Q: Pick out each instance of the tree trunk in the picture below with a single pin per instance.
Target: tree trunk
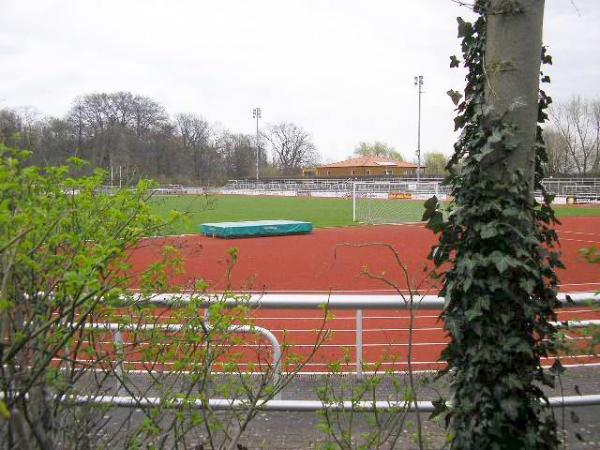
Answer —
(513, 55)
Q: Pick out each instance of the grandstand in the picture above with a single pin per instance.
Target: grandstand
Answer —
(582, 189)
(316, 185)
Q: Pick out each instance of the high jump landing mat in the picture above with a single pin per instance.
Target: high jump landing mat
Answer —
(255, 228)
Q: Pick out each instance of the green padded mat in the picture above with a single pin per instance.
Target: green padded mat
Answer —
(255, 228)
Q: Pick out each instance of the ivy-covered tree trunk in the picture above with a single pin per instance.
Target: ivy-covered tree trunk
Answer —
(497, 241)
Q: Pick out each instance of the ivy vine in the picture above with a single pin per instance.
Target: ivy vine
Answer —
(497, 250)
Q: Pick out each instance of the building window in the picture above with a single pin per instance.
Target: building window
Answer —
(389, 172)
(368, 172)
(353, 172)
(329, 172)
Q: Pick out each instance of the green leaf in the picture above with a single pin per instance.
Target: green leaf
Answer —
(489, 230)
(510, 407)
(4, 412)
(439, 407)
(431, 204)
(501, 261)
(436, 222)
(455, 96)
(464, 28)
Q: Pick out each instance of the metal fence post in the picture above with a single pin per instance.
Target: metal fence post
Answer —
(354, 201)
(120, 367)
(359, 342)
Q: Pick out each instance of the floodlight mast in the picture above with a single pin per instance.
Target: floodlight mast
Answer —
(419, 84)
(256, 114)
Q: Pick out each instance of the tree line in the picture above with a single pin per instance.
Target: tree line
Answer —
(133, 136)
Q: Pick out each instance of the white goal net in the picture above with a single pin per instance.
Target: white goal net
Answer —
(391, 202)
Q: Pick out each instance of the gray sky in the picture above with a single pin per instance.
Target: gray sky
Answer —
(341, 69)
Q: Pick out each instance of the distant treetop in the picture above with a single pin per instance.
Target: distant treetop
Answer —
(378, 149)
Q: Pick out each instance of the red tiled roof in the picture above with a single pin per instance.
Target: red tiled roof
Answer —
(371, 161)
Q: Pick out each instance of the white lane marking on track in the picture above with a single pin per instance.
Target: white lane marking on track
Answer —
(580, 240)
(584, 233)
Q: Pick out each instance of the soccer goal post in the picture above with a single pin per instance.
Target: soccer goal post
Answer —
(391, 202)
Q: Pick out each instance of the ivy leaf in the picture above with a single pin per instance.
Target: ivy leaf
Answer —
(430, 206)
(464, 28)
(501, 261)
(497, 136)
(488, 231)
(455, 96)
(472, 314)
(436, 222)
(439, 407)
(545, 79)
(577, 390)
(527, 285)
(454, 61)
(511, 407)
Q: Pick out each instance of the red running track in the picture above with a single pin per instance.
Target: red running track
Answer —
(334, 260)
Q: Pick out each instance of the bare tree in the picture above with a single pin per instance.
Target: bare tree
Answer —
(291, 146)
(195, 134)
(559, 159)
(238, 153)
(104, 121)
(595, 111)
(11, 125)
(577, 123)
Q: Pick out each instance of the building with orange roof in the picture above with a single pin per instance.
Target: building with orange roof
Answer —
(364, 166)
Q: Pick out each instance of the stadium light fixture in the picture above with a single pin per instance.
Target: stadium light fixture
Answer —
(419, 84)
(257, 114)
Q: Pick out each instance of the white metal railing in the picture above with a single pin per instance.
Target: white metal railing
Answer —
(306, 301)
(221, 404)
(118, 341)
(345, 302)
(332, 301)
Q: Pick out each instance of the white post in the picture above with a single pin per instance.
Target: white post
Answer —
(354, 201)
(120, 363)
(359, 342)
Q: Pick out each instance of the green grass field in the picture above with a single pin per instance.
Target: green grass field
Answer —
(322, 212)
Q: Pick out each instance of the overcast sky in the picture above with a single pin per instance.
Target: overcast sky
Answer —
(341, 69)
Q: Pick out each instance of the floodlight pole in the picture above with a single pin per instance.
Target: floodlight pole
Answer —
(419, 84)
(256, 114)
